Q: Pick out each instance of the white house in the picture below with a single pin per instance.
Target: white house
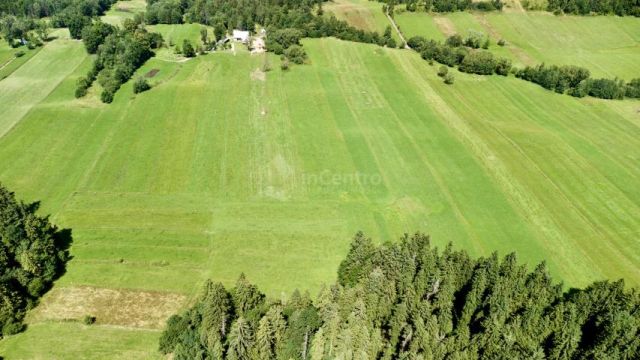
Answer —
(242, 36)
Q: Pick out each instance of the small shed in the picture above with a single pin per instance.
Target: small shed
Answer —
(240, 35)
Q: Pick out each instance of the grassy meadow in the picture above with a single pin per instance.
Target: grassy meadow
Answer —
(362, 14)
(221, 169)
(609, 46)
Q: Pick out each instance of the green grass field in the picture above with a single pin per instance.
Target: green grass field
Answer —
(206, 177)
(124, 10)
(362, 14)
(8, 60)
(608, 46)
(221, 169)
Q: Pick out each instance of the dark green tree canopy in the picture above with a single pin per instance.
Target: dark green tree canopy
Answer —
(408, 300)
(33, 253)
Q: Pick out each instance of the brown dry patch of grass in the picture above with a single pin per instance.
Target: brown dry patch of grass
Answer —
(120, 307)
(259, 75)
(353, 14)
(445, 25)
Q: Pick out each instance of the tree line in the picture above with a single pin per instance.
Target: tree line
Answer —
(19, 17)
(600, 7)
(468, 57)
(33, 253)
(409, 300)
(574, 7)
(443, 5)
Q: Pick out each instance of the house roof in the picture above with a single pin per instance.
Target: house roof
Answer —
(240, 34)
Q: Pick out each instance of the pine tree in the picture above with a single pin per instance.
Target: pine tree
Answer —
(246, 296)
(240, 340)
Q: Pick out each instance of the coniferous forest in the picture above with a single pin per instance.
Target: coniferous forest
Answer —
(408, 300)
(33, 253)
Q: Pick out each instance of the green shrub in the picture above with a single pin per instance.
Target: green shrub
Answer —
(454, 40)
(106, 96)
(296, 54)
(187, 49)
(503, 66)
(442, 71)
(140, 85)
(448, 79)
(479, 62)
(20, 53)
(89, 320)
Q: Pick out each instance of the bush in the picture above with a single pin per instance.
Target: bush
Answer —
(454, 40)
(296, 54)
(140, 85)
(448, 79)
(275, 47)
(88, 320)
(479, 62)
(443, 70)
(391, 43)
(82, 86)
(187, 49)
(474, 40)
(284, 65)
(502, 42)
(106, 96)
(503, 66)
(20, 53)
(417, 43)
(632, 89)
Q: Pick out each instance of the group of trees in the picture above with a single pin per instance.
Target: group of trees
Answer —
(602, 7)
(577, 7)
(294, 19)
(120, 52)
(576, 81)
(408, 300)
(51, 8)
(23, 31)
(444, 5)
(464, 53)
(33, 253)
(22, 21)
(569, 79)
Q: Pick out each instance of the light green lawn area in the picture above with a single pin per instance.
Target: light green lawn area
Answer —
(8, 60)
(36, 78)
(608, 46)
(124, 9)
(362, 14)
(214, 172)
(176, 34)
(69, 340)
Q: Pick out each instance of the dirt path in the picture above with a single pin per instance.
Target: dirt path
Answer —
(393, 23)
